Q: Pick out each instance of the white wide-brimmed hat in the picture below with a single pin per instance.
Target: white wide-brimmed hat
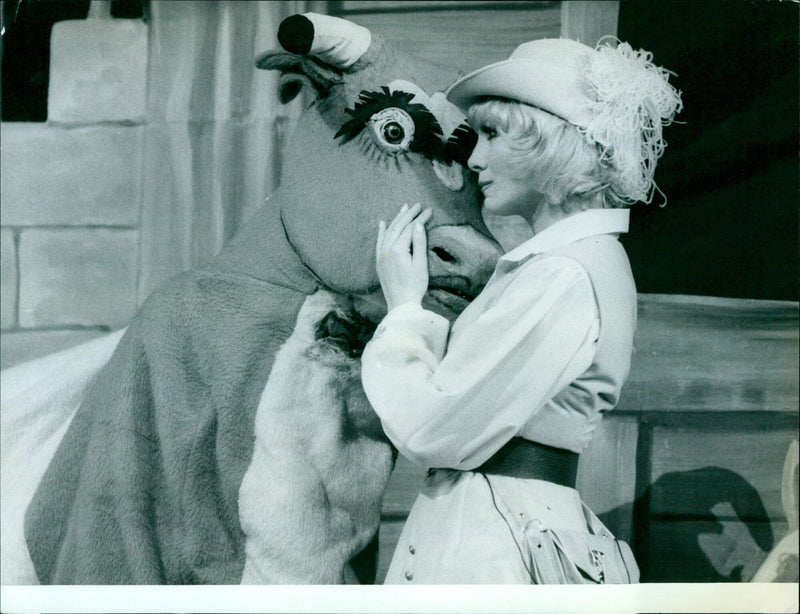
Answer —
(614, 94)
(545, 73)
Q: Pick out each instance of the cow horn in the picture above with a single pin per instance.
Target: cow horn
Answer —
(337, 42)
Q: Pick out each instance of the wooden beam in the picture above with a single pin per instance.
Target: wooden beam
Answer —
(695, 353)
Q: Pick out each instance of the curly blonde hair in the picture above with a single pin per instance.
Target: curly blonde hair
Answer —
(553, 153)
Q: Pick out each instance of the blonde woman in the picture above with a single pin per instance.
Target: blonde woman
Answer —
(500, 405)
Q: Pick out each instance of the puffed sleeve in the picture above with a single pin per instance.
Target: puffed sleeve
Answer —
(457, 409)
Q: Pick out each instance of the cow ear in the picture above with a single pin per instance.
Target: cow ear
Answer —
(334, 41)
(297, 71)
(317, 49)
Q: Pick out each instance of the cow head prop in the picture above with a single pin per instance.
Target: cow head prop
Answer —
(376, 134)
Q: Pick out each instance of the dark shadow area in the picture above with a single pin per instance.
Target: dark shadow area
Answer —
(705, 525)
(27, 25)
(730, 170)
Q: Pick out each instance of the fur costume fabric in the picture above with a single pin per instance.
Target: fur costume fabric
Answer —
(228, 439)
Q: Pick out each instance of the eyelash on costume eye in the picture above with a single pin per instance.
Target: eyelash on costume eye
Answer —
(375, 154)
(427, 138)
(460, 144)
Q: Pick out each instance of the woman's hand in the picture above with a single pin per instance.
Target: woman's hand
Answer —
(401, 256)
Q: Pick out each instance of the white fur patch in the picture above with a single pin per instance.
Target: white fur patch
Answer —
(311, 497)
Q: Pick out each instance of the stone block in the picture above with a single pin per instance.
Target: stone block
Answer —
(61, 176)
(98, 71)
(8, 280)
(83, 277)
(21, 346)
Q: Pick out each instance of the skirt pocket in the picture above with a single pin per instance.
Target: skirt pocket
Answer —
(572, 557)
(569, 556)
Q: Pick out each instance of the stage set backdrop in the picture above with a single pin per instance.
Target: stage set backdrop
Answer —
(110, 186)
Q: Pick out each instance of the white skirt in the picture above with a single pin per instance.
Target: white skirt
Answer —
(469, 528)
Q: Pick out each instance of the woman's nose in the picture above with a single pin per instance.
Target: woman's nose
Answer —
(477, 159)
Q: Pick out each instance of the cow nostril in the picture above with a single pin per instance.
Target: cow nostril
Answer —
(443, 254)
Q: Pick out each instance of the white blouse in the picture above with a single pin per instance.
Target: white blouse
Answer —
(526, 337)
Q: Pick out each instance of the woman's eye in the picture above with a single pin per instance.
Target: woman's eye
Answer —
(392, 129)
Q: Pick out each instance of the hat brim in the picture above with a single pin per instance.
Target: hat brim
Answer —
(541, 84)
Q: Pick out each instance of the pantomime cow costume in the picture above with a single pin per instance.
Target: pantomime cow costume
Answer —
(227, 439)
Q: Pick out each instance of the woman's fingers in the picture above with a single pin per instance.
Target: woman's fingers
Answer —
(407, 213)
(419, 246)
(401, 256)
(424, 216)
(396, 238)
(402, 244)
(418, 237)
(397, 221)
(403, 218)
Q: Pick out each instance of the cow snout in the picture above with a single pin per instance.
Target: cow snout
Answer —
(460, 262)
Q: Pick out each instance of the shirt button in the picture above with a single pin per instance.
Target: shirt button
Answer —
(412, 550)
(409, 576)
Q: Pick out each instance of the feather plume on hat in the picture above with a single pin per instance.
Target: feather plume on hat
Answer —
(632, 101)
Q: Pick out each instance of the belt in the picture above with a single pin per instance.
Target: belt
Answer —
(522, 458)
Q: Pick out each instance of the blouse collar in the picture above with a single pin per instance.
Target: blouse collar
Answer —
(573, 228)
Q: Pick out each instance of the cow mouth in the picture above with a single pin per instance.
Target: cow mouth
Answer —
(449, 295)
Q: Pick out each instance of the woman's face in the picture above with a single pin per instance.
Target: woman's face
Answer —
(507, 185)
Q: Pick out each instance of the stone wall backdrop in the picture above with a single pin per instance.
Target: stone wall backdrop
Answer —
(144, 143)
(71, 190)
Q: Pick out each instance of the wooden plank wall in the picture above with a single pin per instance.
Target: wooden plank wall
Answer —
(688, 467)
(466, 35)
(714, 390)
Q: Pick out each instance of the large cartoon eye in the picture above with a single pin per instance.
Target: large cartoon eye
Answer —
(396, 124)
(392, 129)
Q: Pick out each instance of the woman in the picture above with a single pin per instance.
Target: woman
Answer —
(501, 404)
